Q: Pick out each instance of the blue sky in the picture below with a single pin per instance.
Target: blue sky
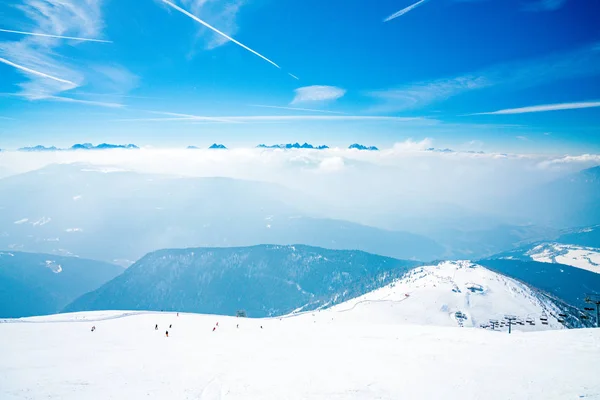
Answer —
(510, 75)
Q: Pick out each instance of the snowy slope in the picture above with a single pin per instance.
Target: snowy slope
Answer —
(289, 358)
(433, 295)
(587, 258)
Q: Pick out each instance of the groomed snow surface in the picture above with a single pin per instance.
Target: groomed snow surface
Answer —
(383, 345)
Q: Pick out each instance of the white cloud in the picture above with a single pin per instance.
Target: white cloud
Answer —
(586, 159)
(404, 10)
(332, 164)
(317, 93)
(394, 181)
(411, 145)
(544, 108)
(37, 55)
(523, 138)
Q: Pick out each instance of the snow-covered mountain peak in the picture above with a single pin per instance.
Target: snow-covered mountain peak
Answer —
(449, 294)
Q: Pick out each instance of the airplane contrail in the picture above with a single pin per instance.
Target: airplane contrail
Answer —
(404, 11)
(34, 72)
(55, 36)
(181, 10)
(294, 76)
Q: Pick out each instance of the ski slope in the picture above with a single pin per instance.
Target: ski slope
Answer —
(403, 341)
(587, 258)
(288, 358)
(435, 295)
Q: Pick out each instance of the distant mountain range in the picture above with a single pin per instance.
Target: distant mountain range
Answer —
(263, 280)
(118, 216)
(292, 146)
(39, 148)
(37, 284)
(78, 146)
(357, 146)
(214, 146)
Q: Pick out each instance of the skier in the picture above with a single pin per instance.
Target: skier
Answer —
(237, 326)
(170, 326)
(156, 327)
(214, 328)
(217, 324)
(93, 328)
(167, 333)
(178, 314)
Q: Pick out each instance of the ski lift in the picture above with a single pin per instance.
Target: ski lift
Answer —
(588, 308)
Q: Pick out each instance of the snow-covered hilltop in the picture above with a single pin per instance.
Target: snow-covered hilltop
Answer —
(451, 294)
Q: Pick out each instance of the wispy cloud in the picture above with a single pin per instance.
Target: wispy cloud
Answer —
(86, 102)
(189, 117)
(224, 35)
(294, 76)
(6, 118)
(404, 10)
(412, 145)
(297, 109)
(423, 93)
(55, 36)
(317, 93)
(543, 108)
(37, 54)
(221, 13)
(523, 138)
(544, 5)
(527, 73)
(37, 73)
(114, 78)
(271, 118)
